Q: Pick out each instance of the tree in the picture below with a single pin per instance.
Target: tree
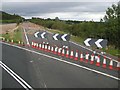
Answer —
(112, 25)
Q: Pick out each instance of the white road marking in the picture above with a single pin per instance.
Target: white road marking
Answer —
(86, 68)
(15, 76)
(26, 37)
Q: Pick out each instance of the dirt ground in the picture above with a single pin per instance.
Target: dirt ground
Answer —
(7, 28)
(31, 28)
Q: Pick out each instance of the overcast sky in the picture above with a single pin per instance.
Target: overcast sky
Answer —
(64, 10)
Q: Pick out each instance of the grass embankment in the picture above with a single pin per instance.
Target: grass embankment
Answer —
(111, 50)
(16, 36)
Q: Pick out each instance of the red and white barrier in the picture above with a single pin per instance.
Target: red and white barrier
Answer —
(67, 53)
(111, 64)
(76, 55)
(92, 59)
(71, 55)
(81, 57)
(98, 61)
(86, 57)
(104, 62)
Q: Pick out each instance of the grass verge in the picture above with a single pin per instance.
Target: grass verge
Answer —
(16, 36)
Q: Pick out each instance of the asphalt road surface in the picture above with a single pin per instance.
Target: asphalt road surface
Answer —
(74, 48)
(42, 72)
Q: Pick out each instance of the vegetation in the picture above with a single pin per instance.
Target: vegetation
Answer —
(107, 28)
(16, 36)
(8, 18)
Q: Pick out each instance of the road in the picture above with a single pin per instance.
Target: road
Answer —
(40, 71)
(74, 48)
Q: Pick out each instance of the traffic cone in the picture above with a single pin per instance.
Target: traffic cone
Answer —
(67, 54)
(49, 48)
(86, 57)
(45, 47)
(76, 55)
(32, 44)
(59, 51)
(118, 65)
(7, 40)
(22, 43)
(55, 52)
(12, 41)
(63, 52)
(19, 42)
(37, 46)
(92, 59)
(71, 54)
(98, 61)
(111, 64)
(52, 49)
(81, 57)
(104, 62)
(40, 46)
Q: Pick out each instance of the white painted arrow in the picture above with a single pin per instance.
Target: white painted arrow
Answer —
(98, 43)
(63, 37)
(42, 35)
(87, 41)
(55, 36)
(36, 34)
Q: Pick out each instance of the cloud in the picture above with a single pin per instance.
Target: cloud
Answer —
(63, 10)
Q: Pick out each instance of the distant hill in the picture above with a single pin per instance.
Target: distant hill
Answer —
(8, 18)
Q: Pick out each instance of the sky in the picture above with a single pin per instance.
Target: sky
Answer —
(69, 10)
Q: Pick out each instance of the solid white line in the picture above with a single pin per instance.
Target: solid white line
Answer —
(99, 72)
(15, 75)
(26, 37)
